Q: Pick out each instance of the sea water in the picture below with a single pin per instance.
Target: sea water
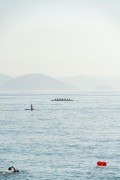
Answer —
(60, 140)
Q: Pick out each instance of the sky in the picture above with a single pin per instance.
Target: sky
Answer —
(60, 37)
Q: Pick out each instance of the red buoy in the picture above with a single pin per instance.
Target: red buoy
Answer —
(101, 163)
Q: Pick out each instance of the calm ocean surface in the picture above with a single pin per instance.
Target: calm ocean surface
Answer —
(60, 140)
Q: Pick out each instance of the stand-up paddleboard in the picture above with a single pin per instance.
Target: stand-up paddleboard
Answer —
(31, 109)
(28, 109)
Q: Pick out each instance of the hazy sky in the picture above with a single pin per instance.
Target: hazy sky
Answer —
(60, 37)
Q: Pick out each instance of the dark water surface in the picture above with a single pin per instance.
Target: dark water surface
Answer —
(60, 140)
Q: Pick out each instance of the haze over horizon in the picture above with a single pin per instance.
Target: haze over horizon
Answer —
(60, 38)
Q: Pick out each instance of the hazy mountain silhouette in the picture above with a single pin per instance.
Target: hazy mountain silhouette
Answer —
(83, 82)
(36, 82)
(93, 83)
(4, 78)
(41, 82)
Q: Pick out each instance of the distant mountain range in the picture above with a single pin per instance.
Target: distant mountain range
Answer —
(42, 82)
(93, 83)
(4, 79)
(35, 82)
